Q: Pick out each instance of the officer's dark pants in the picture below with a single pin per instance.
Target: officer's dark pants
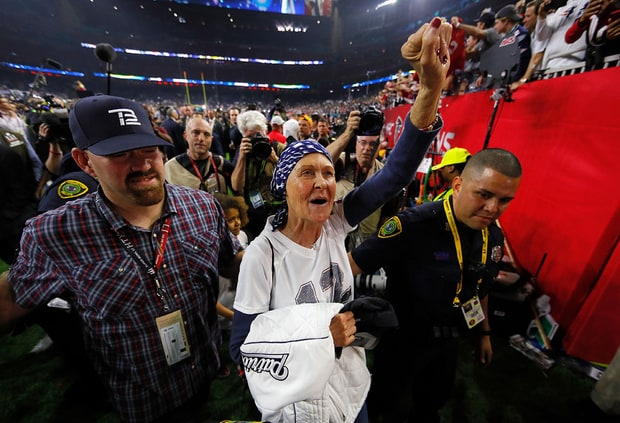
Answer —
(412, 377)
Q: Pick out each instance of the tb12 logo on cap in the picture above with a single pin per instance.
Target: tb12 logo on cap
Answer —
(126, 117)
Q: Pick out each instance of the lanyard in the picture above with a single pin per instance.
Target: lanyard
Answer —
(359, 175)
(258, 173)
(459, 251)
(151, 269)
(161, 245)
(200, 175)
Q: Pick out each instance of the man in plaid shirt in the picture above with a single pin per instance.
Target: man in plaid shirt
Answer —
(138, 261)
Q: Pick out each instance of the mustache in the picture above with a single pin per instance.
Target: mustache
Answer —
(147, 174)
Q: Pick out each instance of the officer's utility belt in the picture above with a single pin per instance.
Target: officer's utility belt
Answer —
(445, 332)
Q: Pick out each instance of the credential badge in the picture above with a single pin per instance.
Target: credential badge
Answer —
(496, 253)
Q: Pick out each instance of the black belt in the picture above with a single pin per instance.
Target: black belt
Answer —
(445, 332)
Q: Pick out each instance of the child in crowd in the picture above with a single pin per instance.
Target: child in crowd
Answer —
(235, 213)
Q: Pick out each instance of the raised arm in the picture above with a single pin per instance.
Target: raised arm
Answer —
(427, 52)
(340, 144)
(473, 30)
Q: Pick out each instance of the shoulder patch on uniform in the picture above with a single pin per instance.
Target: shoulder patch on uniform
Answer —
(71, 189)
(391, 227)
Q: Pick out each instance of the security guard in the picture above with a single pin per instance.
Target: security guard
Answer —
(440, 259)
(72, 184)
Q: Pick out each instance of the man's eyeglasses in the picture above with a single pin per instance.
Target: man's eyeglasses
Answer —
(371, 144)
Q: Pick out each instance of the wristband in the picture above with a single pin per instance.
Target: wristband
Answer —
(432, 125)
(55, 153)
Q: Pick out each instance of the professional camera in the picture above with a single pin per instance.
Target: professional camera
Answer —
(371, 282)
(50, 103)
(261, 147)
(371, 122)
(55, 116)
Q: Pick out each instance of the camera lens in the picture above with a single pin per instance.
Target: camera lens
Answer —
(261, 147)
(371, 122)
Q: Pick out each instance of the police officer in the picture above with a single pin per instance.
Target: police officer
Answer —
(72, 184)
(440, 259)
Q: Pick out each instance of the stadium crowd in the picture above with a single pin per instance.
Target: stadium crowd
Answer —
(212, 147)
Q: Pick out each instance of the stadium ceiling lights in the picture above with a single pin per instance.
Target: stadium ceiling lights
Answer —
(386, 3)
(290, 27)
(211, 57)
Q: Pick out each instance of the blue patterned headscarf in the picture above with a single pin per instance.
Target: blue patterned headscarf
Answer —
(286, 162)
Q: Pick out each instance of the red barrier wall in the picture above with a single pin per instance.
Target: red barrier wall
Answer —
(566, 132)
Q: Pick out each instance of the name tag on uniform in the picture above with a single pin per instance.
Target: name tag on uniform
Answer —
(472, 311)
(173, 337)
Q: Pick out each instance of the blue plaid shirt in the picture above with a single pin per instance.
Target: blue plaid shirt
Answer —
(74, 252)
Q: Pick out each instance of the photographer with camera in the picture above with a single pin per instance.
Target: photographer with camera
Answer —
(355, 154)
(256, 159)
(49, 120)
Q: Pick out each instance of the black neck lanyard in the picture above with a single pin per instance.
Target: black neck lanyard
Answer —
(151, 269)
(360, 176)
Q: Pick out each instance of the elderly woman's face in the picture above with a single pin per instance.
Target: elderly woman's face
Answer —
(311, 189)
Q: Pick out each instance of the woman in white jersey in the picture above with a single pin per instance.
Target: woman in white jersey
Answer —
(288, 332)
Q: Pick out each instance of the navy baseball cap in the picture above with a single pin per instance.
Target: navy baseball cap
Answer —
(374, 317)
(488, 18)
(510, 12)
(107, 125)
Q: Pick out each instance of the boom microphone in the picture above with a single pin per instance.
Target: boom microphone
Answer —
(105, 52)
(53, 63)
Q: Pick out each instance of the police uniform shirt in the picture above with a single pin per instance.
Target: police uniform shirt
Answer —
(68, 187)
(417, 251)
